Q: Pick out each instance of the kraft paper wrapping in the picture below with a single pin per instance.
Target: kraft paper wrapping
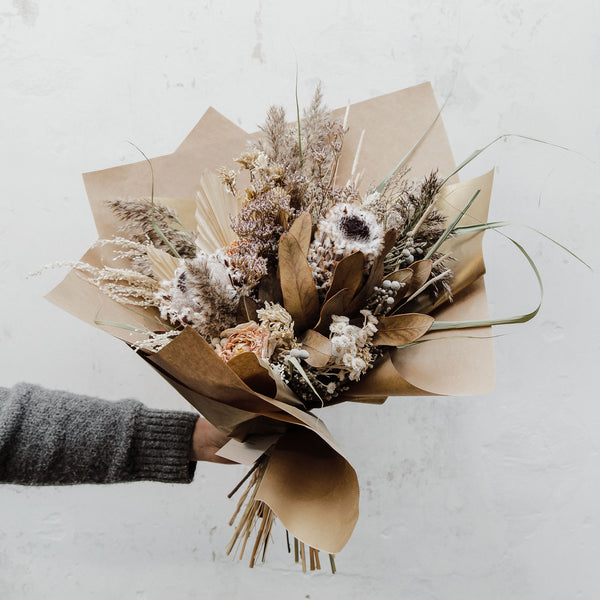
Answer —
(308, 484)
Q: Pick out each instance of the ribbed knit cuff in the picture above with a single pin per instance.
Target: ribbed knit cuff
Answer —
(161, 446)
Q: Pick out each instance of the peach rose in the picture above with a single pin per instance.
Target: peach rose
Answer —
(246, 337)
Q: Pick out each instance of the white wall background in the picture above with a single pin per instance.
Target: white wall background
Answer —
(491, 497)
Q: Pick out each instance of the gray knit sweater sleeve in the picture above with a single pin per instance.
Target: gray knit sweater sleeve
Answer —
(53, 437)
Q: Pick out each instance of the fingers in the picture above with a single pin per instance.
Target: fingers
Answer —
(206, 441)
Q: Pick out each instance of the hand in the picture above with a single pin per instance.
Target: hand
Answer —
(206, 440)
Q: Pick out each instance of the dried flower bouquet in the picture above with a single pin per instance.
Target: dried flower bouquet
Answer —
(308, 272)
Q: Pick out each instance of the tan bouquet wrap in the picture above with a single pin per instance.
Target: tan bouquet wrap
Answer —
(308, 484)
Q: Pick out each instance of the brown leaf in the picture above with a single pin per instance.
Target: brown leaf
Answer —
(269, 289)
(246, 310)
(401, 276)
(421, 272)
(301, 229)
(318, 348)
(376, 273)
(300, 296)
(337, 305)
(401, 329)
(348, 274)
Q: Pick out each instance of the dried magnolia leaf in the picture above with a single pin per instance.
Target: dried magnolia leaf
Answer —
(337, 305)
(301, 229)
(421, 272)
(318, 348)
(376, 273)
(401, 276)
(300, 296)
(348, 274)
(246, 310)
(269, 289)
(256, 376)
(401, 329)
(163, 264)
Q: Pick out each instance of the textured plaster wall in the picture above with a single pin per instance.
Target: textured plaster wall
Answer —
(489, 497)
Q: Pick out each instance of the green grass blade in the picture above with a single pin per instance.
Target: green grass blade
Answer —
(445, 325)
(451, 226)
(384, 183)
(121, 326)
(477, 152)
(160, 234)
(298, 119)
(450, 337)
(149, 318)
(499, 224)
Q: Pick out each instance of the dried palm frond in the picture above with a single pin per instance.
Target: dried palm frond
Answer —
(215, 207)
(163, 265)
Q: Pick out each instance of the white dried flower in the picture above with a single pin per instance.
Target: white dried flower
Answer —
(371, 199)
(347, 229)
(261, 161)
(351, 354)
(280, 325)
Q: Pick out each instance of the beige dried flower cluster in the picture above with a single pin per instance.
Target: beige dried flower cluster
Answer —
(264, 216)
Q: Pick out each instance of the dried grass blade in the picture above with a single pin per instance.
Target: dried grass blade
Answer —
(296, 364)
(298, 120)
(477, 152)
(121, 326)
